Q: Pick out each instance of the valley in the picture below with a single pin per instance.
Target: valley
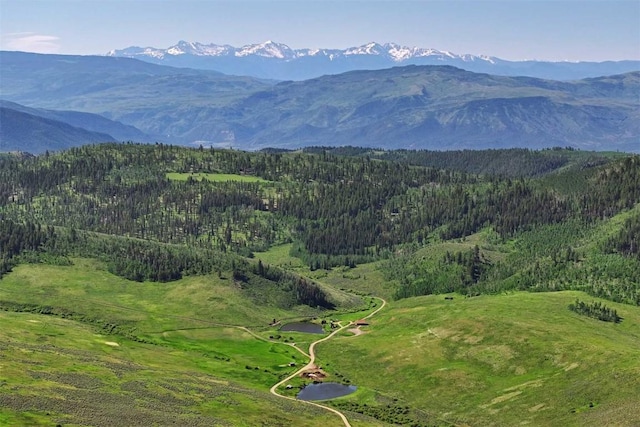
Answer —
(151, 282)
(434, 222)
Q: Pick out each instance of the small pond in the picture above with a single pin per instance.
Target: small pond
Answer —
(323, 391)
(307, 327)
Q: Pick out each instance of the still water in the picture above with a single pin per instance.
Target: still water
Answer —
(323, 391)
(307, 327)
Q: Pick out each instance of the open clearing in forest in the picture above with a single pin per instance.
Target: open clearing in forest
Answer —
(365, 279)
(215, 177)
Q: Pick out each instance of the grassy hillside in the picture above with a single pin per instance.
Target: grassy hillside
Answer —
(182, 348)
(496, 360)
(61, 372)
(485, 360)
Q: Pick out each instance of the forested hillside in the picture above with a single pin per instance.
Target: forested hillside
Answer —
(194, 211)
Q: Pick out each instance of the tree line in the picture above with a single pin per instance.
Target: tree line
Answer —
(597, 310)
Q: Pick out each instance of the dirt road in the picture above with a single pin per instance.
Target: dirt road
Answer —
(312, 365)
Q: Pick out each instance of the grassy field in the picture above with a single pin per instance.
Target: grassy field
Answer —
(177, 353)
(364, 279)
(179, 348)
(57, 371)
(195, 301)
(521, 358)
(200, 315)
(214, 177)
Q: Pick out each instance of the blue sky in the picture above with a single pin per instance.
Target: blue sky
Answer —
(573, 30)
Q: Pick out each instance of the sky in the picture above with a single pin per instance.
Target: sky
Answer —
(553, 30)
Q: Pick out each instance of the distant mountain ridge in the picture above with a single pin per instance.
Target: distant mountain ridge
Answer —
(422, 107)
(273, 60)
(270, 49)
(87, 121)
(22, 131)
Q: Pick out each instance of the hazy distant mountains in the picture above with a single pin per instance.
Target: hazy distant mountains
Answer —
(278, 61)
(430, 107)
(88, 121)
(130, 99)
(23, 129)
(440, 108)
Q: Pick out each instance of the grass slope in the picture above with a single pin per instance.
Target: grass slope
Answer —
(497, 360)
(196, 315)
(119, 352)
(488, 360)
(364, 279)
(174, 346)
(57, 371)
(88, 287)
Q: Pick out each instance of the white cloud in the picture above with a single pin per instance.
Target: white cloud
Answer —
(31, 42)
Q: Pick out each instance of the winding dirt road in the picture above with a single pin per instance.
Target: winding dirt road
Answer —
(311, 365)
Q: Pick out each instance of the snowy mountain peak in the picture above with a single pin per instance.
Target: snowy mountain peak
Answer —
(371, 48)
(302, 63)
(268, 49)
(271, 49)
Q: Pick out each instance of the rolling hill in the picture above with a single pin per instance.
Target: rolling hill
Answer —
(153, 98)
(442, 108)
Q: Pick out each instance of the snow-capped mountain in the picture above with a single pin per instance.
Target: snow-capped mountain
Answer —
(270, 49)
(278, 61)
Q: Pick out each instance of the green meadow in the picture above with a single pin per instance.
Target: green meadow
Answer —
(193, 352)
(364, 279)
(518, 358)
(61, 372)
(180, 349)
(214, 177)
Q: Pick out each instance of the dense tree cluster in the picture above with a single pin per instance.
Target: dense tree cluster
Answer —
(597, 310)
(614, 188)
(627, 242)
(337, 206)
(16, 238)
(141, 260)
(455, 272)
(300, 290)
(393, 414)
(512, 162)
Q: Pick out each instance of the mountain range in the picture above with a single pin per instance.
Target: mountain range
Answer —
(278, 61)
(29, 130)
(422, 107)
